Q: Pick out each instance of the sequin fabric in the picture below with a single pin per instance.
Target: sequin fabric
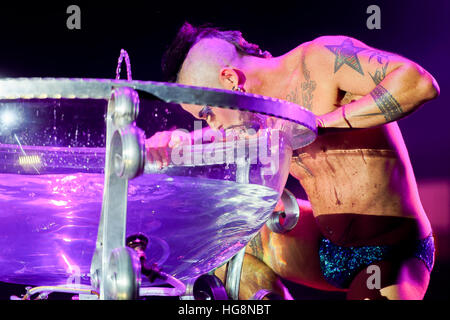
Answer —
(341, 264)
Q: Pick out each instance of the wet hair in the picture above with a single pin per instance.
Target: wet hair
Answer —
(189, 35)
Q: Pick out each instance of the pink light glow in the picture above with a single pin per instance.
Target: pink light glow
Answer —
(59, 203)
(69, 266)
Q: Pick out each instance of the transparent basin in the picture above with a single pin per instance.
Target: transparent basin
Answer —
(197, 213)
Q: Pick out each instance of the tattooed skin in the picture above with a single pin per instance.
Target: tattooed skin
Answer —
(387, 104)
(308, 86)
(382, 59)
(293, 96)
(346, 53)
(257, 247)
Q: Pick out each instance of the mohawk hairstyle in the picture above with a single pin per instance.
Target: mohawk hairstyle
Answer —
(189, 35)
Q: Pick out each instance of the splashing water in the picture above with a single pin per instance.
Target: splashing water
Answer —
(123, 54)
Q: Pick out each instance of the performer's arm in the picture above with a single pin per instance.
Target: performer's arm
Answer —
(392, 86)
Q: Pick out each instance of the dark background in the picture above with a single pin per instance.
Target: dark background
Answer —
(35, 42)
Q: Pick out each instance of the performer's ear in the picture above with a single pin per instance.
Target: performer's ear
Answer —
(231, 78)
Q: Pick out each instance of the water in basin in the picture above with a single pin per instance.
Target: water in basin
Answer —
(50, 223)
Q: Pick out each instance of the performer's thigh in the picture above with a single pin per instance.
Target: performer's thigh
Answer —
(294, 255)
(256, 276)
(398, 280)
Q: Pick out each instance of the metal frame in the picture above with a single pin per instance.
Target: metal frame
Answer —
(85, 88)
(78, 88)
(291, 214)
(124, 160)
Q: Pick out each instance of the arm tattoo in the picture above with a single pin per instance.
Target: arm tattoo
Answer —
(307, 87)
(346, 53)
(257, 247)
(383, 60)
(386, 103)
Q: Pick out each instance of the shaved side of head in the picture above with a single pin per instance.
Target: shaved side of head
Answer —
(214, 47)
(205, 60)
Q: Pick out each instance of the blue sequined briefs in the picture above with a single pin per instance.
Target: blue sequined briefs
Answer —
(341, 264)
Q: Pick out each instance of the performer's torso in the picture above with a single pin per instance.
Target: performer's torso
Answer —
(364, 171)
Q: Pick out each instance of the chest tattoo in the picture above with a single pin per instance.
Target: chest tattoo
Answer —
(308, 87)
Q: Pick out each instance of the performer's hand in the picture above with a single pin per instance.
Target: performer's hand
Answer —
(330, 123)
(320, 125)
(158, 147)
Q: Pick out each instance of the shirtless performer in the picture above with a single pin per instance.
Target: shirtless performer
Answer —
(364, 209)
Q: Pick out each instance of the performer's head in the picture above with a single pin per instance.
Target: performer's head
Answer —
(210, 57)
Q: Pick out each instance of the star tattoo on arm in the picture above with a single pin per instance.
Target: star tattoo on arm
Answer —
(346, 53)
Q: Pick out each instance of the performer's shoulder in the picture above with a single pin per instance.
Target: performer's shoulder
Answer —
(328, 42)
(331, 39)
(320, 47)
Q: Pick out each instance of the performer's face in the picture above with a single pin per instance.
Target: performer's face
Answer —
(217, 118)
